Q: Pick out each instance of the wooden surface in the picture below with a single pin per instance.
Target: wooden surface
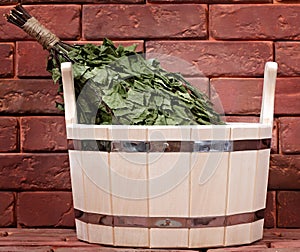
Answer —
(64, 240)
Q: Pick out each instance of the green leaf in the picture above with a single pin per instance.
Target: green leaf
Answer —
(60, 106)
(56, 75)
(136, 97)
(114, 101)
(116, 85)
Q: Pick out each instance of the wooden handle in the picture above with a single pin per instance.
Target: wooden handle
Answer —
(267, 107)
(69, 93)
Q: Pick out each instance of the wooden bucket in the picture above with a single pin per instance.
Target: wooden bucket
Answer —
(170, 186)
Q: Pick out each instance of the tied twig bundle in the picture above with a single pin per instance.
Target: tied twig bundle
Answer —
(21, 18)
(42, 35)
(117, 85)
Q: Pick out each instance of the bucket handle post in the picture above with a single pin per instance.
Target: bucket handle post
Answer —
(268, 97)
(69, 93)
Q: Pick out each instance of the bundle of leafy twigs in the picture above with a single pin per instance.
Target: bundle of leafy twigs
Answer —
(116, 85)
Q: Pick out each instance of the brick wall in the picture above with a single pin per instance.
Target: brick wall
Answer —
(230, 40)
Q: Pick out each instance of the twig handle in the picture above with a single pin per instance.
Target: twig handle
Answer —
(21, 18)
(267, 108)
(36, 30)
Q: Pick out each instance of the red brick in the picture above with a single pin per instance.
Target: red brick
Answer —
(43, 133)
(7, 208)
(16, 248)
(287, 99)
(288, 57)
(62, 20)
(275, 140)
(45, 209)
(284, 172)
(246, 119)
(211, 58)
(3, 2)
(202, 84)
(31, 60)
(21, 171)
(28, 96)
(8, 134)
(248, 248)
(210, 1)
(288, 209)
(270, 212)
(6, 59)
(139, 43)
(285, 1)
(289, 135)
(137, 21)
(281, 234)
(84, 1)
(285, 244)
(9, 31)
(244, 96)
(251, 22)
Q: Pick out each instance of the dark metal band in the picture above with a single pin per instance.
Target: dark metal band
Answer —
(174, 222)
(170, 146)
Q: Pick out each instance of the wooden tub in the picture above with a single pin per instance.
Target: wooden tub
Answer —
(170, 186)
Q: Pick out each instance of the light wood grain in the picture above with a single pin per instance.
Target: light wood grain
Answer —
(169, 184)
(208, 198)
(237, 234)
(168, 238)
(134, 237)
(129, 184)
(206, 237)
(100, 234)
(96, 181)
(241, 181)
(76, 172)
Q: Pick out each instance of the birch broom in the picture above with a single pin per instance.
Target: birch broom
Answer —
(117, 85)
